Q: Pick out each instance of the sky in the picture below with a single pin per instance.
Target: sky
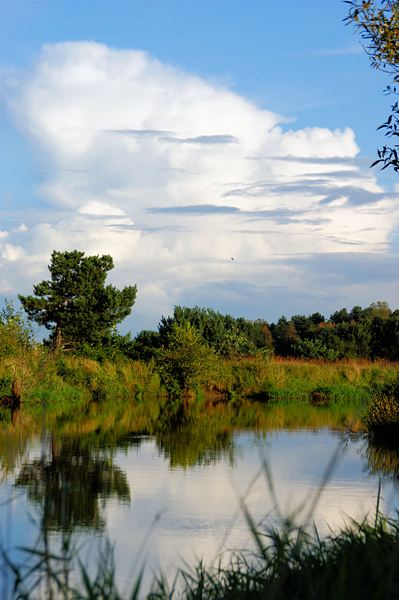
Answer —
(218, 150)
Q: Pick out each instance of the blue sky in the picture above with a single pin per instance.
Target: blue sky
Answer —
(175, 135)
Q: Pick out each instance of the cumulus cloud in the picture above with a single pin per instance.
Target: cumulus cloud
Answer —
(172, 176)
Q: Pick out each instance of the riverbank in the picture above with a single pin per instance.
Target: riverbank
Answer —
(68, 379)
(74, 395)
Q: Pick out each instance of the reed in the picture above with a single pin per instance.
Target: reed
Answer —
(64, 382)
(288, 563)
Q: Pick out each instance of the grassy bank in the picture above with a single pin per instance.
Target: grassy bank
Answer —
(289, 379)
(67, 382)
(78, 397)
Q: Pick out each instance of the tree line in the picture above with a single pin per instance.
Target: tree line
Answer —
(81, 313)
(369, 333)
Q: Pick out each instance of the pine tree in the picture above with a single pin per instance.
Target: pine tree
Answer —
(75, 304)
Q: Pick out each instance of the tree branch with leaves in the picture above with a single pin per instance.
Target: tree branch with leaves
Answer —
(377, 21)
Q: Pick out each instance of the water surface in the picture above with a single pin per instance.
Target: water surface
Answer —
(176, 496)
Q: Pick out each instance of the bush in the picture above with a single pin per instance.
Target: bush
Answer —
(16, 336)
(186, 362)
(382, 418)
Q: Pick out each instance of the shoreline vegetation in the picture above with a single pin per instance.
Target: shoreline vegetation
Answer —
(192, 384)
(259, 384)
(358, 562)
(188, 378)
(198, 358)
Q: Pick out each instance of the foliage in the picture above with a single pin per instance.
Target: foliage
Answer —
(378, 24)
(112, 346)
(146, 344)
(226, 335)
(371, 333)
(316, 348)
(76, 305)
(186, 361)
(358, 562)
(16, 336)
(382, 418)
(20, 356)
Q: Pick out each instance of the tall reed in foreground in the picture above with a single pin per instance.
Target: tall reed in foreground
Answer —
(359, 562)
(288, 562)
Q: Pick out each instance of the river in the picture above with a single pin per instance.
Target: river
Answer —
(177, 497)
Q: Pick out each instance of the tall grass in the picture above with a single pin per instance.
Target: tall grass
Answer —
(357, 563)
(288, 563)
(67, 379)
(287, 380)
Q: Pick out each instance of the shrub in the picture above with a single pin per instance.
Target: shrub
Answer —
(186, 361)
(382, 418)
(16, 336)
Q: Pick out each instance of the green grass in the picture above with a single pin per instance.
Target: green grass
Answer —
(78, 392)
(58, 378)
(290, 380)
(357, 563)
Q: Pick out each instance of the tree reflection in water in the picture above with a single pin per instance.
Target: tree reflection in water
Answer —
(75, 474)
(187, 446)
(13, 442)
(383, 460)
(188, 437)
(71, 483)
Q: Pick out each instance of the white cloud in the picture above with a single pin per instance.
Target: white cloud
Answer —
(21, 228)
(97, 208)
(172, 176)
(11, 253)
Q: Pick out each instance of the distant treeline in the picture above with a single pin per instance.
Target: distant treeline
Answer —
(81, 313)
(371, 332)
(368, 333)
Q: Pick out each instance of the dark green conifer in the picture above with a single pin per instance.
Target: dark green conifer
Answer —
(75, 304)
